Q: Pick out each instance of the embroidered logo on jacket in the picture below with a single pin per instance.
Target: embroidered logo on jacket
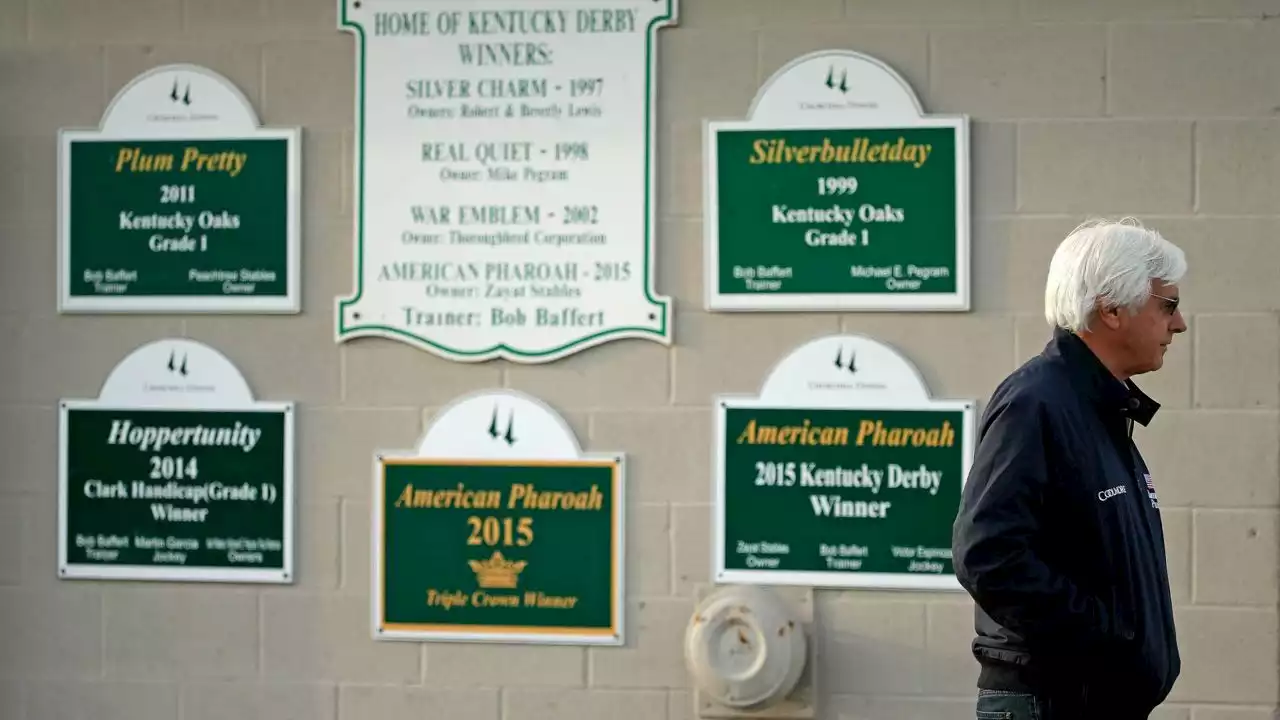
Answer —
(1151, 491)
(1105, 495)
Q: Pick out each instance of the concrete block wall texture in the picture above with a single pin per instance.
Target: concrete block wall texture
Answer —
(1164, 109)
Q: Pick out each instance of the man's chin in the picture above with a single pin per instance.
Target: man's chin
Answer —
(1152, 365)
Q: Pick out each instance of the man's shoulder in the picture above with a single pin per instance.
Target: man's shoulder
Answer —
(1039, 384)
(1033, 402)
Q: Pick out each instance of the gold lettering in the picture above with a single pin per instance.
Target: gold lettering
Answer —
(406, 497)
(446, 599)
(777, 151)
(492, 531)
(480, 598)
(877, 434)
(229, 162)
(459, 497)
(556, 602)
(139, 161)
(804, 434)
(529, 497)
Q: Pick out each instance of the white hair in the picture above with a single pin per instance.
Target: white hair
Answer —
(1109, 264)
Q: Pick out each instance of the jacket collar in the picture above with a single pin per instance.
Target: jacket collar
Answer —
(1091, 378)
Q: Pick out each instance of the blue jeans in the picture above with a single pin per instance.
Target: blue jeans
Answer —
(1004, 705)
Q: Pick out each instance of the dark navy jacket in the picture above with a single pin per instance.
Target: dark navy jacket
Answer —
(1059, 540)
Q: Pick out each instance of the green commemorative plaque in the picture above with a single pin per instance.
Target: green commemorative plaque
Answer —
(823, 490)
(843, 473)
(525, 544)
(837, 194)
(179, 203)
(175, 473)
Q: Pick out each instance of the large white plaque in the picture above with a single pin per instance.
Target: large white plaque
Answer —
(504, 182)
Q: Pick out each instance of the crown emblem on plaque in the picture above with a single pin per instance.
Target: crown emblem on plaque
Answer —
(497, 571)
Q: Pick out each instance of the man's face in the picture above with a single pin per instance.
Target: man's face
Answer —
(1147, 334)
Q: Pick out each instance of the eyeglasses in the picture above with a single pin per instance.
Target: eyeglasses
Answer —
(1170, 304)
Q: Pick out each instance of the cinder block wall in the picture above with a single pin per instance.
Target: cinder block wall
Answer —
(1165, 109)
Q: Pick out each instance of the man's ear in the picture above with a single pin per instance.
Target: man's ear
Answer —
(1108, 316)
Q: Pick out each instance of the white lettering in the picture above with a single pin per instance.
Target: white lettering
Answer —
(1105, 495)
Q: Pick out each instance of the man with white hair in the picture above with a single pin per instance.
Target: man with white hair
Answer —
(1058, 538)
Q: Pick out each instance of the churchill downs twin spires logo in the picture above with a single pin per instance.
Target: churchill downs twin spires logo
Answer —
(176, 367)
(179, 103)
(184, 97)
(837, 83)
(509, 434)
(846, 361)
(177, 375)
(178, 371)
(844, 364)
(841, 84)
